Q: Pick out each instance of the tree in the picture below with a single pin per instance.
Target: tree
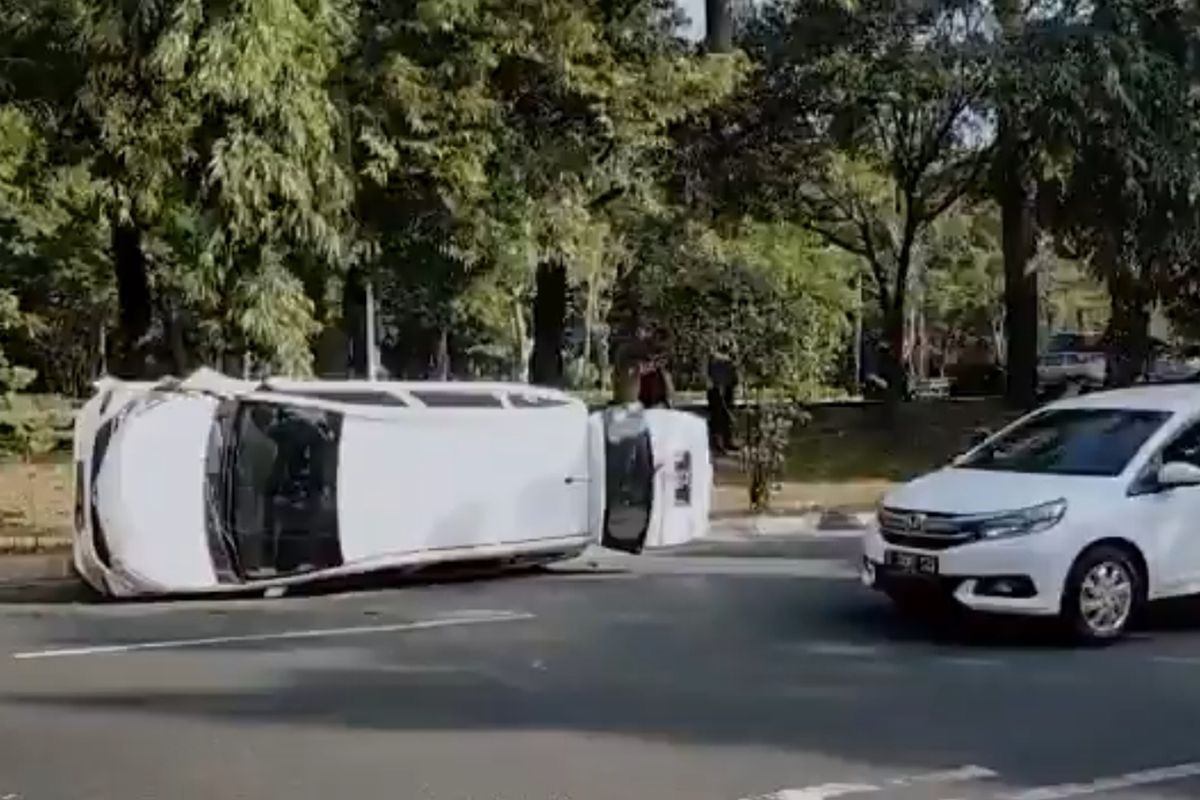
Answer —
(517, 132)
(219, 156)
(1120, 114)
(1013, 186)
(866, 126)
(772, 294)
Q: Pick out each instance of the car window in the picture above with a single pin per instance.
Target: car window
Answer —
(519, 400)
(451, 399)
(283, 488)
(1185, 448)
(1070, 441)
(358, 397)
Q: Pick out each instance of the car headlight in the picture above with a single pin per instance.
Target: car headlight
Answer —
(1023, 522)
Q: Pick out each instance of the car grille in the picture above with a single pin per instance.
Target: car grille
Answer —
(926, 530)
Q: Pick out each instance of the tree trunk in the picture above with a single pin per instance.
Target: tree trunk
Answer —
(1020, 290)
(589, 324)
(718, 26)
(133, 302)
(354, 306)
(1019, 241)
(440, 362)
(893, 356)
(174, 330)
(523, 349)
(549, 324)
(1129, 328)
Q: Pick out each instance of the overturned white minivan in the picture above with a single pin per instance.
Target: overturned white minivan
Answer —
(213, 484)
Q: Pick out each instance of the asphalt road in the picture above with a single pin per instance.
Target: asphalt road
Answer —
(722, 674)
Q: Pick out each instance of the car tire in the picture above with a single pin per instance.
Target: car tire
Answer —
(1104, 593)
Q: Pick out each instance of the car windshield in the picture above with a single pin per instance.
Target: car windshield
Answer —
(274, 471)
(1070, 441)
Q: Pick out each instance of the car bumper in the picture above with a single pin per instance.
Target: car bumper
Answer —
(109, 581)
(965, 572)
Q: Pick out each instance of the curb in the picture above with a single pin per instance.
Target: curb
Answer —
(811, 523)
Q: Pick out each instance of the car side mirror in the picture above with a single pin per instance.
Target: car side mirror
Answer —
(1178, 473)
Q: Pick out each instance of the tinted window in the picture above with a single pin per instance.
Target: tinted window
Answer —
(1186, 448)
(1071, 441)
(282, 489)
(534, 401)
(451, 399)
(357, 397)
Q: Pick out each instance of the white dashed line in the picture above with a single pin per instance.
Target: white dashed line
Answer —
(1186, 661)
(964, 774)
(824, 791)
(1126, 781)
(970, 772)
(846, 649)
(317, 633)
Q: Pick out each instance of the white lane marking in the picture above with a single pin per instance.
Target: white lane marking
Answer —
(316, 633)
(824, 791)
(970, 772)
(968, 661)
(850, 649)
(1129, 779)
(1188, 661)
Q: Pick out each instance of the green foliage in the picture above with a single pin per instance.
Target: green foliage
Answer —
(250, 153)
(864, 125)
(769, 294)
(1116, 103)
(769, 426)
(492, 136)
(963, 279)
(26, 428)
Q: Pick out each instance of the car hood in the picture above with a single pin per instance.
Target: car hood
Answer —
(971, 491)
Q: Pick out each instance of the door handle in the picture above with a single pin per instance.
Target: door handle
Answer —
(569, 480)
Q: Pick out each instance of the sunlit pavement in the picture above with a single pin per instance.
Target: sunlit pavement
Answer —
(752, 677)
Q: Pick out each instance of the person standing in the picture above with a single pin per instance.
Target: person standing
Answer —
(655, 389)
(722, 387)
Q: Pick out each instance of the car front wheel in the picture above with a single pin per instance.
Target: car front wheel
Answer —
(1102, 595)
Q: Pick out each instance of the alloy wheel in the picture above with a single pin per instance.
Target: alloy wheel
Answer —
(1106, 597)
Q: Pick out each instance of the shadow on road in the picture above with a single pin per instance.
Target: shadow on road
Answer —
(811, 666)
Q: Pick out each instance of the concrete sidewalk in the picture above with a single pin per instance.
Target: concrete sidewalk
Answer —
(829, 524)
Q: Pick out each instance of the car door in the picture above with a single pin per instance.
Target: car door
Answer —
(622, 487)
(1165, 520)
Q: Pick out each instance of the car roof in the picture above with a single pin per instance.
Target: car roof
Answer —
(1171, 398)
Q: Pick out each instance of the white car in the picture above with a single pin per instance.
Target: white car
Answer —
(213, 484)
(1085, 509)
(1083, 367)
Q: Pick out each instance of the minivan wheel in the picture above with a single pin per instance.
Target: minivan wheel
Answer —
(1102, 595)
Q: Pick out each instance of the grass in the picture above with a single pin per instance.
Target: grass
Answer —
(848, 455)
(843, 443)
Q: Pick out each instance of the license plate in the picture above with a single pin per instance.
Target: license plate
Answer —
(911, 563)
